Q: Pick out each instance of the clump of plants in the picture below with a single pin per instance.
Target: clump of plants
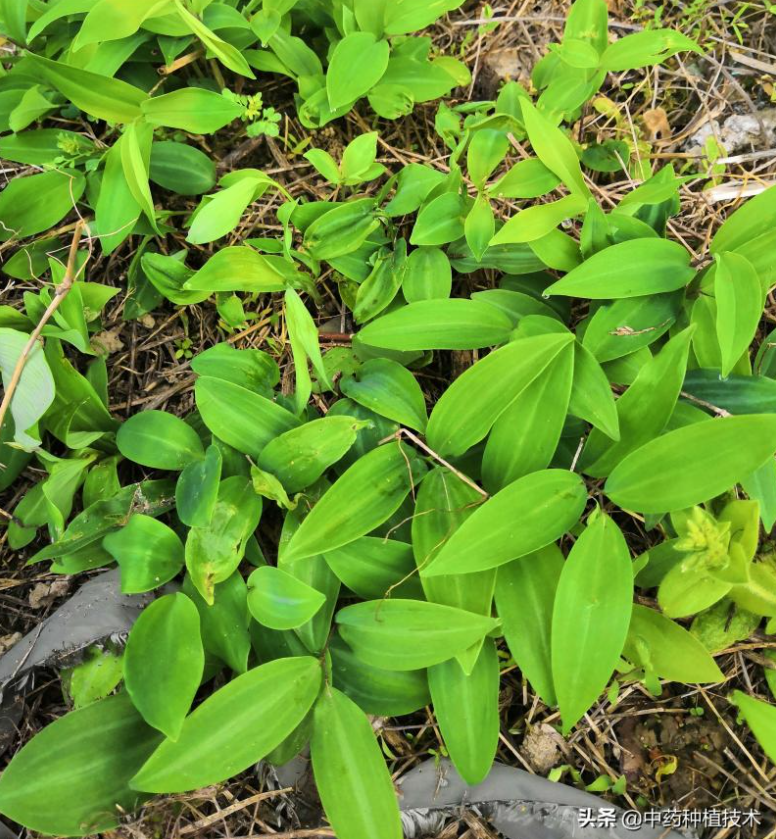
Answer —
(618, 383)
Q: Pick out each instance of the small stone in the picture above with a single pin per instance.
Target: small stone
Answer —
(542, 747)
(44, 594)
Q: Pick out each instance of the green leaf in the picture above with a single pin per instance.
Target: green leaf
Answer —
(107, 741)
(644, 409)
(263, 706)
(357, 64)
(280, 601)
(739, 294)
(526, 515)
(159, 440)
(455, 324)
(341, 230)
(673, 653)
(164, 662)
(525, 593)
(654, 266)
(109, 20)
(487, 148)
(554, 149)
(624, 326)
(591, 395)
(300, 456)
(372, 565)
(33, 204)
(390, 693)
(303, 335)
(405, 16)
(98, 96)
(181, 168)
(754, 218)
(224, 623)
(409, 634)
(526, 179)
(388, 389)
(367, 494)
(350, 772)
(116, 211)
(692, 464)
(214, 552)
(428, 275)
(479, 226)
(35, 389)
(525, 435)
(196, 490)
(590, 616)
(243, 419)
(440, 221)
(760, 717)
(149, 553)
(193, 109)
(221, 214)
(537, 221)
(324, 163)
(467, 711)
(468, 409)
(641, 49)
(240, 268)
(225, 52)
(135, 160)
(443, 504)
(377, 291)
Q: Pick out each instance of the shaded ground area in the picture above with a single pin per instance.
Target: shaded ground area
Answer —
(681, 749)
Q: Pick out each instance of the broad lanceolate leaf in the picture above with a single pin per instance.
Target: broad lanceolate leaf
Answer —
(537, 221)
(149, 553)
(367, 494)
(193, 109)
(241, 268)
(357, 63)
(530, 513)
(159, 440)
(243, 419)
(389, 389)
(280, 601)
(196, 490)
(525, 594)
(35, 203)
(262, 707)
(213, 552)
(635, 268)
(427, 276)
(409, 634)
(455, 324)
(739, 294)
(35, 389)
(525, 436)
(350, 771)
(377, 691)
(300, 456)
(752, 219)
(591, 394)
(107, 741)
(471, 405)
(692, 464)
(466, 708)
(224, 623)
(303, 335)
(667, 649)
(761, 718)
(99, 96)
(374, 567)
(443, 504)
(164, 662)
(590, 618)
(554, 149)
(644, 409)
